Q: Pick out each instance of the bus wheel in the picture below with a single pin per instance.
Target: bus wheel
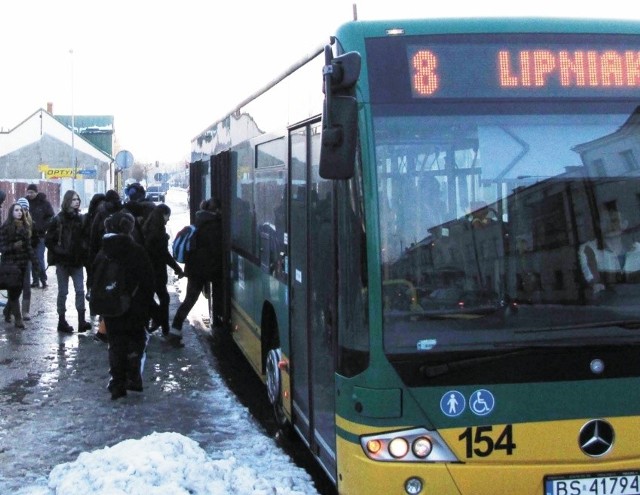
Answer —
(274, 384)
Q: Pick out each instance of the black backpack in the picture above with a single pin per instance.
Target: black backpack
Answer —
(110, 295)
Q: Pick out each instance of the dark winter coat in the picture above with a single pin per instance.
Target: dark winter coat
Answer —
(41, 213)
(15, 245)
(140, 211)
(98, 230)
(156, 242)
(65, 240)
(139, 272)
(206, 260)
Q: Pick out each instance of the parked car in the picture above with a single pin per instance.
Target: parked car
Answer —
(155, 194)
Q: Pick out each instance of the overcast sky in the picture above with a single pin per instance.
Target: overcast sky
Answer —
(166, 70)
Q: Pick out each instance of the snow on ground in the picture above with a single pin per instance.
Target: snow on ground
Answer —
(172, 464)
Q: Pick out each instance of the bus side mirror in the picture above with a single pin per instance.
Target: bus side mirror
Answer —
(338, 147)
(340, 115)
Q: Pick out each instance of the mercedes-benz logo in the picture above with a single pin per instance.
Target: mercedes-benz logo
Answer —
(596, 438)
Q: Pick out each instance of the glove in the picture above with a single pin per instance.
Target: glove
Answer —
(18, 245)
(179, 272)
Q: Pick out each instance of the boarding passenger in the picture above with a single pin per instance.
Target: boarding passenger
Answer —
(202, 265)
(156, 242)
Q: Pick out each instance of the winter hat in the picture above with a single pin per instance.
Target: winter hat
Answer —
(135, 192)
(24, 203)
(32, 187)
(120, 223)
(111, 196)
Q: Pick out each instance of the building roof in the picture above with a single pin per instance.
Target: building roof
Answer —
(42, 123)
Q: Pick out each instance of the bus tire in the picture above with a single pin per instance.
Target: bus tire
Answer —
(274, 385)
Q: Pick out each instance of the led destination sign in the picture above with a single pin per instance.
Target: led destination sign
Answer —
(505, 66)
(543, 69)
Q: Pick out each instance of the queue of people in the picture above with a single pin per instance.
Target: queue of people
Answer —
(131, 235)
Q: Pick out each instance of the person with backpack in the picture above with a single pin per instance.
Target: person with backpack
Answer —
(203, 264)
(122, 293)
(67, 250)
(156, 243)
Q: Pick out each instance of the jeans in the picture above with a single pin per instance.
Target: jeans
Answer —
(42, 275)
(194, 288)
(26, 282)
(76, 273)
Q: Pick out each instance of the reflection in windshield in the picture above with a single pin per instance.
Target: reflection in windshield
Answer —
(496, 228)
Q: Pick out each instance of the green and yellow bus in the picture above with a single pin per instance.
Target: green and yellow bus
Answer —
(432, 231)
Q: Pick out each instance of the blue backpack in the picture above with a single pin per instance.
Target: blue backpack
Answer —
(183, 243)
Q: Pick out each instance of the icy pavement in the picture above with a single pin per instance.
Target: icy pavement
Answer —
(60, 432)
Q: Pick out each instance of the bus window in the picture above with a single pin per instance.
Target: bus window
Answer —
(505, 212)
(353, 340)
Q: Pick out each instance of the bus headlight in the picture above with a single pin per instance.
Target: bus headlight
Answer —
(418, 444)
(398, 448)
(421, 447)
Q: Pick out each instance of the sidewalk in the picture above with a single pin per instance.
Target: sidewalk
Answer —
(53, 398)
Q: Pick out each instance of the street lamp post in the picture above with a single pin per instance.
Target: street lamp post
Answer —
(74, 165)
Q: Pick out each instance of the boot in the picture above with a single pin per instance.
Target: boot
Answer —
(174, 337)
(26, 306)
(63, 326)
(17, 315)
(7, 312)
(83, 325)
(134, 374)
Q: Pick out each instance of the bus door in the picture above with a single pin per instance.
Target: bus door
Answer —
(312, 316)
(221, 190)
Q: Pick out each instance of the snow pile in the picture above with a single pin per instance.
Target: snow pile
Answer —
(162, 464)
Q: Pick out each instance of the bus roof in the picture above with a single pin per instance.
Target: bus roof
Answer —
(488, 25)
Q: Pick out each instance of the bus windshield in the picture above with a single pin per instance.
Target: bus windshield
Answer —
(508, 228)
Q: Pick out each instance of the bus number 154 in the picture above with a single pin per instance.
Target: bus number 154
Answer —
(480, 441)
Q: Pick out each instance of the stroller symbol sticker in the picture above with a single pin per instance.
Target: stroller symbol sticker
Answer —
(452, 403)
(482, 402)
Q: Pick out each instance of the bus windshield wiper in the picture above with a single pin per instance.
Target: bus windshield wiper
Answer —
(434, 370)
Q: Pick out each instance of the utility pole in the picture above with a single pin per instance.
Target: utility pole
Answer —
(74, 164)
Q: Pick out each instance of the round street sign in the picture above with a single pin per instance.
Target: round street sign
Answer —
(124, 159)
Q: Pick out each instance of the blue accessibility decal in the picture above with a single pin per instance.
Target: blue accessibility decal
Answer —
(452, 403)
(482, 402)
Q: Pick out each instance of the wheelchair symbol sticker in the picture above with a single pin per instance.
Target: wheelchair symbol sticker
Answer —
(481, 402)
(452, 403)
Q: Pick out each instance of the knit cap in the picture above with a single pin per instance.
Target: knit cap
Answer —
(24, 203)
(120, 223)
